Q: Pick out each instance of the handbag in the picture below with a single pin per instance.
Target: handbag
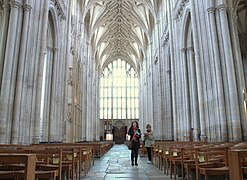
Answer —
(130, 145)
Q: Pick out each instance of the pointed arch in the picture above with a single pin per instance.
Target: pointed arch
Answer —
(49, 80)
(186, 26)
(189, 74)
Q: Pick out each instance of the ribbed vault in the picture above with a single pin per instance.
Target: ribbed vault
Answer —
(119, 29)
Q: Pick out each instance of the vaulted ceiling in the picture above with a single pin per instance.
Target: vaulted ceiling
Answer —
(119, 29)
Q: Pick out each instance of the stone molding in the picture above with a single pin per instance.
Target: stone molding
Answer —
(222, 7)
(211, 10)
(180, 8)
(15, 4)
(70, 77)
(166, 39)
(59, 8)
(27, 7)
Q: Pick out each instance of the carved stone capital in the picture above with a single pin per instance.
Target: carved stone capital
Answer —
(15, 4)
(211, 10)
(222, 7)
(27, 7)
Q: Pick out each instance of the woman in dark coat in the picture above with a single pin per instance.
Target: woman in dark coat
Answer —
(135, 135)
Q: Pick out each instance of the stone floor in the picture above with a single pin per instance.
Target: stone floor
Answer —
(115, 164)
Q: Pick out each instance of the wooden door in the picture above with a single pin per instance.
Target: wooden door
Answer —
(119, 134)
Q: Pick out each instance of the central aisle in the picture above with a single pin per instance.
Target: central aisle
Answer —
(116, 165)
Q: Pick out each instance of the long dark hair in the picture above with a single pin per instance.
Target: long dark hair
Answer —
(137, 125)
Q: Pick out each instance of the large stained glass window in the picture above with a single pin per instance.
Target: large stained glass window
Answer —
(119, 91)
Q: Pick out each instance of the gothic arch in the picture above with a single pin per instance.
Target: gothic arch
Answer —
(111, 59)
(52, 19)
(186, 26)
(190, 83)
(49, 80)
(51, 32)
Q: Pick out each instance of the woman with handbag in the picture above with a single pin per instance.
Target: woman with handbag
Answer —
(135, 135)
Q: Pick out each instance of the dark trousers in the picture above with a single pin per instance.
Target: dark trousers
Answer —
(149, 153)
(134, 154)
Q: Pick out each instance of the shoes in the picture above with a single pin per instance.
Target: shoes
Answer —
(136, 164)
(149, 162)
(132, 164)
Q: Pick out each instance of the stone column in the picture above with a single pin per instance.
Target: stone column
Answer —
(144, 92)
(47, 94)
(198, 70)
(7, 71)
(76, 98)
(20, 75)
(61, 80)
(39, 75)
(94, 129)
(141, 99)
(163, 87)
(151, 90)
(89, 99)
(158, 81)
(232, 87)
(84, 103)
(53, 130)
(66, 80)
(172, 74)
(233, 24)
(3, 38)
(179, 96)
(47, 127)
(187, 117)
(69, 102)
(169, 96)
(194, 110)
(97, 105)
(84, 97)
(14, 74)
(222, 126)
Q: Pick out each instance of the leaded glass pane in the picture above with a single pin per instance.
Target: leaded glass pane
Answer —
(119, 87)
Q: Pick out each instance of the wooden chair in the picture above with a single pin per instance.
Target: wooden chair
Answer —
(27, 162)
(48, 164)
(217, 159)
(237, 163)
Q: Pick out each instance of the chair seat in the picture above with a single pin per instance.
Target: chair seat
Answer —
(12, 167)
(46, 174)
(189, 161)
(40, 174)
(215, 171)
(7, 174)
(47, 167)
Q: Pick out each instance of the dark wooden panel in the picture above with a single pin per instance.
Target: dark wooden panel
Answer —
(119, 135)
